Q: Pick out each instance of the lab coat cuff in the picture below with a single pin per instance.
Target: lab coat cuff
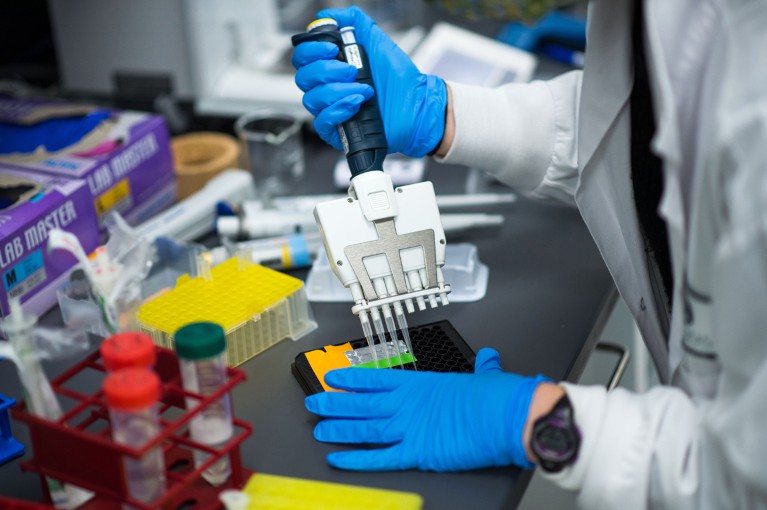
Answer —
(517, 150)
(588, 404)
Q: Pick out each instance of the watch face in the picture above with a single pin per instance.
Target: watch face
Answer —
(556, 438)
(555, 444)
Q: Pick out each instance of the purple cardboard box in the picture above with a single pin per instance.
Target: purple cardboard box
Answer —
(31, 205)
(126, 162)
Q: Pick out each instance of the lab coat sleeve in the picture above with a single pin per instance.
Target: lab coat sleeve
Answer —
(663, 449)
(524, 134)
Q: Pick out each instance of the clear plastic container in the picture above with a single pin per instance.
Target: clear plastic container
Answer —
(132, 395)
(78, 306)
(463, 271)
(171, 261)
(201, 348)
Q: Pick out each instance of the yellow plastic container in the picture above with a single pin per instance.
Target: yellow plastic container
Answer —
(256, 306)
(271, 492)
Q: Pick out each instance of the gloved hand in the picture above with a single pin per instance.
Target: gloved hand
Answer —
(433, 421)
(412, 104)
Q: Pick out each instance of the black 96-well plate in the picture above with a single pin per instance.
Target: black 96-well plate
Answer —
(437, 346)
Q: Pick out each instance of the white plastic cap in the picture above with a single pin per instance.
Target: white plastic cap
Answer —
(228, 226)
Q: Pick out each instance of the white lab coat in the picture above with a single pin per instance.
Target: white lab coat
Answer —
(700, 442)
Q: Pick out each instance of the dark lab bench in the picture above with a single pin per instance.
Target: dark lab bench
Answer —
(548, 297)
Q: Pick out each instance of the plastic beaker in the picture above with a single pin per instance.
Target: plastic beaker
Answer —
(273, 150)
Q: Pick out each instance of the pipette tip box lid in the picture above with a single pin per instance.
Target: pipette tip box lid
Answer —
(256, 306)
(463, 270)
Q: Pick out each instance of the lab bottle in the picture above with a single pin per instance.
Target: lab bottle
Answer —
(131, 395)
(201, 348)
(128, 349)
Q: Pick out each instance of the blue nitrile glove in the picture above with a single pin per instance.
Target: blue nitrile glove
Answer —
(53, 134)
(412, 103)
(433, 421)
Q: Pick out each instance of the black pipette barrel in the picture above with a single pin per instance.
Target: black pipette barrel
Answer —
(363, 135)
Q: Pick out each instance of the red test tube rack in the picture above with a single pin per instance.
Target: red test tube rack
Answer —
(78, 449)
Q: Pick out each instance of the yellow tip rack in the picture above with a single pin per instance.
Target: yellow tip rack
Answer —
(256, 306)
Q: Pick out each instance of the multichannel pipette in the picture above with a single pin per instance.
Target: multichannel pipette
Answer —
(386, 246)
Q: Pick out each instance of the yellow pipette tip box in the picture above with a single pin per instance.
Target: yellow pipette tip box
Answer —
(256, 306)
(271, 492)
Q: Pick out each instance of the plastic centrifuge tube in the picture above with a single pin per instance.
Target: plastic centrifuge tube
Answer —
(132, 395)
(201, 347)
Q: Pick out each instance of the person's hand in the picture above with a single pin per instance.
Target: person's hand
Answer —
(431, 421)
(412, 104)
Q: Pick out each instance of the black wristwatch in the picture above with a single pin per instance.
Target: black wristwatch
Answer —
(556, 439)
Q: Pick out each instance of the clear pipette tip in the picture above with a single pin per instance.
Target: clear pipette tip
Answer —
(402, 322)
(368, 332)
(381, 334)
(393, 333)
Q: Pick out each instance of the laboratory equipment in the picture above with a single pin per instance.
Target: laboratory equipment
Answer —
(402, 169)
(437, 346)
(256, 306)
(467, 275)
(10, 448)
(201, 348)
(272, 492)
(227, 56)
(26, 347)
(386, 247)
(273, 150)
(282, 252)
(463, 56)
(77, 448)
(196, 215)
(169, 261)
(128, 349)
(307, 203)
(115, 272)
(132, 395)
(256, 222)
